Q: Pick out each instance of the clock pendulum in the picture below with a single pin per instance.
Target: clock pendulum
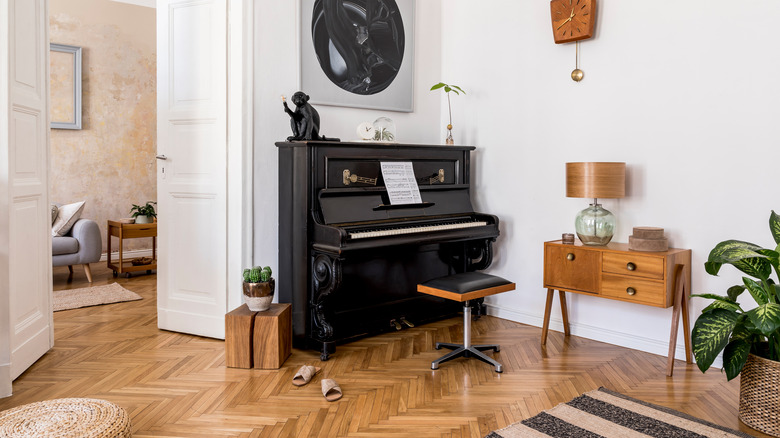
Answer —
(573, 21)
(577, 74)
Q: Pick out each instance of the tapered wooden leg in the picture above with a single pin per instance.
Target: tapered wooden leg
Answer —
(679, 298)
(547, 309)
(564, 312)
(88, 271)
(686, 322)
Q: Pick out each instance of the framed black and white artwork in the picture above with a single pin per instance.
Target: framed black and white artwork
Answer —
(358, 53)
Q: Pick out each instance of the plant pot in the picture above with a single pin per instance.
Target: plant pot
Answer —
(759, 395)
(140, 219)
(258, 296)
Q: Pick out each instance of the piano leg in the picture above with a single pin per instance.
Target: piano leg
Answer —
(327, 279)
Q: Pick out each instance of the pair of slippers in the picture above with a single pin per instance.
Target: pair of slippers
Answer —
(330, 389)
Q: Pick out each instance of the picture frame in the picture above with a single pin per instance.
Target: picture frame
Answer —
(65, 86)
(397, 96)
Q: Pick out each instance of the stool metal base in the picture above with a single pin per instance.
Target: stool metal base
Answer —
(466, 349)
(474, 351)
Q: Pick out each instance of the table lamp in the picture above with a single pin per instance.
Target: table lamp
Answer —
(595, 225)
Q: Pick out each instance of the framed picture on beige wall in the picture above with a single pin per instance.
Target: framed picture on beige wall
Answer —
(65, 86)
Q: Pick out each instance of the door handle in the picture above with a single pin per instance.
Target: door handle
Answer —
(161, 157)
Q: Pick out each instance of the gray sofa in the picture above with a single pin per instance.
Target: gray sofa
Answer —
(81, 246)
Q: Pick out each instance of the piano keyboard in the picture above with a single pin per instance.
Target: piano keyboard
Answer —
(412, 230)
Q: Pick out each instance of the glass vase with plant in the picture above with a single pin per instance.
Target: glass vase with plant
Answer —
(447, 89)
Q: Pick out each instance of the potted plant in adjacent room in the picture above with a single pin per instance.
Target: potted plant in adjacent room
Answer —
(258, 288)
(447, 88)
(144, 214)
(749, 339)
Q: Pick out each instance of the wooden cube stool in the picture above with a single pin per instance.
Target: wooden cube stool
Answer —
(465, 287)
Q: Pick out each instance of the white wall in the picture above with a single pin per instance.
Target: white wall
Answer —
(276, 73)
(681, 92)
(685, 93)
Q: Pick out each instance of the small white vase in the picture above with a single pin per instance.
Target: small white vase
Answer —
(140, 219)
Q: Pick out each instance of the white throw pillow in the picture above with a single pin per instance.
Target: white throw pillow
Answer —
(66, 217)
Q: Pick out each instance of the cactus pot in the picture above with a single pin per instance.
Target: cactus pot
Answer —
(258, 296)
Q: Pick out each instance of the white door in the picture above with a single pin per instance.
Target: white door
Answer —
(192, 177)
(26, 197)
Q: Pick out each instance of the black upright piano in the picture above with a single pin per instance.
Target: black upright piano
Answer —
(349, 260)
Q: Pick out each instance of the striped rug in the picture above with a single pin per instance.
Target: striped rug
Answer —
(604, 413)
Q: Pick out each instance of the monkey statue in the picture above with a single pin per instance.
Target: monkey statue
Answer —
(304, 120)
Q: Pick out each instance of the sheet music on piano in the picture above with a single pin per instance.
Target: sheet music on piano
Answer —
(400, 182)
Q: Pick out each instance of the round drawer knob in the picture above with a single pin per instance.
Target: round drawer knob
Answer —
(570, 256)
(631, 291)
(630, 266)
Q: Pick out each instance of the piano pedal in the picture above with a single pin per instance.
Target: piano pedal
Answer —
(408, 324)
(396, 324)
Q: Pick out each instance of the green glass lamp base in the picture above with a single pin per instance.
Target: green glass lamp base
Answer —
(595, 225)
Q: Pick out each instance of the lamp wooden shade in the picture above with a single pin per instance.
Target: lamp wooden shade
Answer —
(595, 180)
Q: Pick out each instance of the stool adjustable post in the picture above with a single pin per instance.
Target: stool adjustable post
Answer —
(465, 287)
(466, 349)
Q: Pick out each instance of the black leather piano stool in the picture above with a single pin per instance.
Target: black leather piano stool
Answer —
(465, 287)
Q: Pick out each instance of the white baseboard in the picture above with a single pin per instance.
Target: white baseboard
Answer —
(127, 255)
(627, 340)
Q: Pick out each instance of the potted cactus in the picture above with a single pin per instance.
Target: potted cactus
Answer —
(258, 288)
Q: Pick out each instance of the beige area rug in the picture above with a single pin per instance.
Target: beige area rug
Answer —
(604, 413)
(92, 296)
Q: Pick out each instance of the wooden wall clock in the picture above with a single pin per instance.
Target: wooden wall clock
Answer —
(572, 20)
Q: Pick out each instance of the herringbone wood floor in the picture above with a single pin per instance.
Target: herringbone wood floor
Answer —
(177, 385)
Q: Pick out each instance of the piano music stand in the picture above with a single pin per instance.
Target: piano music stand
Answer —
(463, 288)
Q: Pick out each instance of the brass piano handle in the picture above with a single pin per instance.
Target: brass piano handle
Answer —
(631, 291)
(433, 179)
(394, 323)
(348, 177)
(570, 256)
(630, 266)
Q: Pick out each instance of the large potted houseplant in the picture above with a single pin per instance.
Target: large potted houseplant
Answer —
(259, 288)
(749, 339)
(144, 214)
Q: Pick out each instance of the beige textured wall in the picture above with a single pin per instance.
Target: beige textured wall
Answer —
(110, 162)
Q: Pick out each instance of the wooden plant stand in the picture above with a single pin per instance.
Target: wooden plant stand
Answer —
(130, 231)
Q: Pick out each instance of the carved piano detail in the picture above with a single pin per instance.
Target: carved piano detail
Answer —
(349, 261)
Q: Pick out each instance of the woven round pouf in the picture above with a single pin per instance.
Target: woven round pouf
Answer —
(65, 418)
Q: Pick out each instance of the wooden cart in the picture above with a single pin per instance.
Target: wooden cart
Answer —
(131, 231)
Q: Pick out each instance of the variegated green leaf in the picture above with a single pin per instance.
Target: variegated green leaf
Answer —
(741, 331)
(774, 226)
(713, 297)
(766, 318)
(735, 291)
(734, 357)
(755, 289)
(711, 334)
(773, 256)
(717, 304)
(742, 255)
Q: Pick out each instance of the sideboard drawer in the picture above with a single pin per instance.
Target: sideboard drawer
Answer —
(570, 267)
(644, 291)
(634, 265)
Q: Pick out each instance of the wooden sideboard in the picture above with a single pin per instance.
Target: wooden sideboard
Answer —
(659, 279)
